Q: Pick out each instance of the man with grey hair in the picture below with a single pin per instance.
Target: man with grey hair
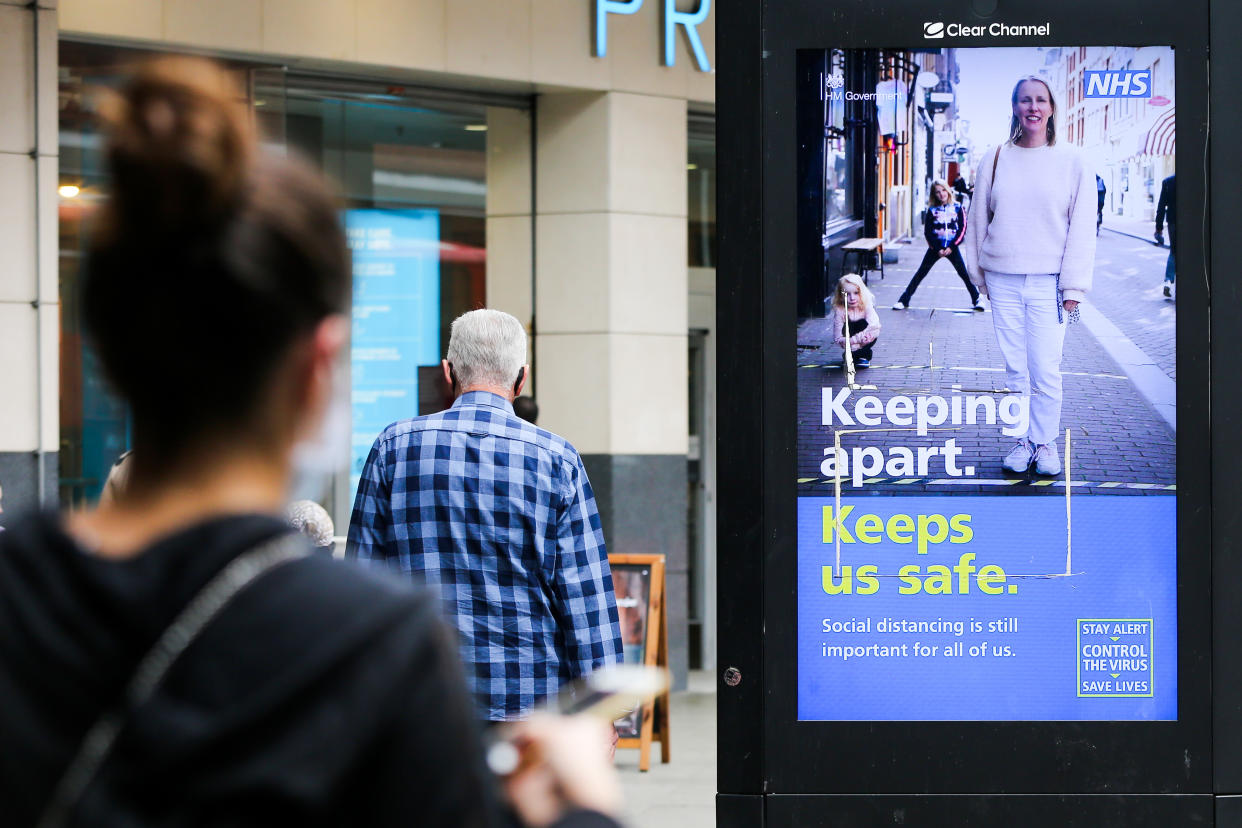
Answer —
(499, 516)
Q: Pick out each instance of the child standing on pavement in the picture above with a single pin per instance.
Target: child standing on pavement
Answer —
(944, 226)
(854, 318)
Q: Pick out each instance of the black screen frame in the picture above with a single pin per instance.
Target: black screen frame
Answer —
(763, 747)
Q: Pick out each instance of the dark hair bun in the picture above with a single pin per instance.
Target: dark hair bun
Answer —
(207, 260)
(180, 144)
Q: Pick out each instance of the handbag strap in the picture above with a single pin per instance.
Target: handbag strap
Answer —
(992, 183)
(179, 635)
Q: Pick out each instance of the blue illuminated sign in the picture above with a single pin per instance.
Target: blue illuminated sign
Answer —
(980, 608)
(396, 318)
(671, 18)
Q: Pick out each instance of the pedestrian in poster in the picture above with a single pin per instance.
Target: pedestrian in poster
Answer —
(1030, 247)
(1166, 210)
(1100, 192)
(176, 657)
(962, 189)
(944, 225)
(855, 323)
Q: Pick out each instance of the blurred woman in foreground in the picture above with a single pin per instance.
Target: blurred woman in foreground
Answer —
(175, 657)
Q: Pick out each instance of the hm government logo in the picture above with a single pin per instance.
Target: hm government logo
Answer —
(933, 30)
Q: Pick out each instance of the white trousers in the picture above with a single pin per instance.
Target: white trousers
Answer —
(1024, 315)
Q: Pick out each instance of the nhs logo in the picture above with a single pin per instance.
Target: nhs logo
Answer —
(1116, 83)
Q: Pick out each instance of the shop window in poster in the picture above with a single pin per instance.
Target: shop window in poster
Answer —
(987, 490)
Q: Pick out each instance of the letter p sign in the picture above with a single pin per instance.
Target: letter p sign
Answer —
(670, 20)
(603, 8)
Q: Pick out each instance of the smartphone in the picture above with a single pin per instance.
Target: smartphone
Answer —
(607, 694)
(613, 691)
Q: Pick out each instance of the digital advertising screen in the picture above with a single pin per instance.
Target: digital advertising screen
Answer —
(396, 318)
(986, 384)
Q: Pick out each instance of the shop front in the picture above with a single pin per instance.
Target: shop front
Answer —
(486, 154)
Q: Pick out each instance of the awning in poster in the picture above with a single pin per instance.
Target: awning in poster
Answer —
(1161, 138)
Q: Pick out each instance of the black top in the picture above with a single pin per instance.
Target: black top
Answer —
(1166, 207)
(944, 225)
(321, 695)
(853, 326)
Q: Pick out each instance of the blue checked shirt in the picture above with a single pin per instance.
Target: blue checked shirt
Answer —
(499, 515)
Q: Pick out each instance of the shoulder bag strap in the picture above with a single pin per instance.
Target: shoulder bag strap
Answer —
(185, 628)
(995, 164)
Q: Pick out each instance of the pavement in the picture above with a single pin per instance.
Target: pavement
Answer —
(1118, 369)
(1138, 228)
(681, 794)
(1129, 277)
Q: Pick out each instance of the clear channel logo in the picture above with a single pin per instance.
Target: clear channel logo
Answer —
(939, 29)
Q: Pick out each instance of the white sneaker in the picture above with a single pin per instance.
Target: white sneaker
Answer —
(899, 305)
(1019, 460)
(1046, 460)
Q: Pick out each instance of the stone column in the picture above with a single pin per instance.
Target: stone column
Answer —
(610, 315)
(509, 240)
(29, 302)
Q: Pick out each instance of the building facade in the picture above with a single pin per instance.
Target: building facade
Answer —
(551, 158)
(875, 155)
(1130, 140)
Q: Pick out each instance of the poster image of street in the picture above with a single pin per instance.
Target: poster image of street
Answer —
(986, 272)
(632, 584)
(985, 340)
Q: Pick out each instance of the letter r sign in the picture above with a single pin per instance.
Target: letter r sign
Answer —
(670, 20)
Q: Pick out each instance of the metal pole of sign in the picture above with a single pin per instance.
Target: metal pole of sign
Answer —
(1069, 485)
(849, 354)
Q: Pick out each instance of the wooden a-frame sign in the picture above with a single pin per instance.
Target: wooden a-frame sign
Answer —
(639, 583)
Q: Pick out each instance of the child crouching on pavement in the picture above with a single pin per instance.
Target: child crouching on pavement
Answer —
(853, 304)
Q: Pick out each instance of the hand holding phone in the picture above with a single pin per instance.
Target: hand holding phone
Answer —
(613, 691)
(605, 695)
(564, 767)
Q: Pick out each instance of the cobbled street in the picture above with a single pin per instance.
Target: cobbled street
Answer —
(1120, 442)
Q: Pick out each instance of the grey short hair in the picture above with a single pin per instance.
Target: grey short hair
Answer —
(486, 347)
(312, 520)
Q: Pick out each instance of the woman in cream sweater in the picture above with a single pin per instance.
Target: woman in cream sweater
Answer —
(1030, 247)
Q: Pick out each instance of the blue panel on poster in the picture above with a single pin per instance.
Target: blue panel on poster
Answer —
(396, 318)
(929, 634)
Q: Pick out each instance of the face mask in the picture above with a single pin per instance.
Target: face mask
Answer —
(318, 457)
